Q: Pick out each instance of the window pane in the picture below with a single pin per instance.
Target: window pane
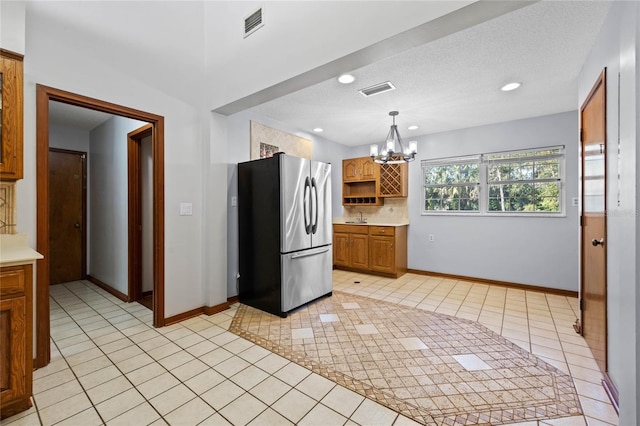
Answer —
(451, 198)
(548, 197)
(547, 169)
(521, 171)
(468, 173)
(512, 183)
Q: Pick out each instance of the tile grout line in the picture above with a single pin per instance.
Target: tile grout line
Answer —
(168, 371)
(80, 300)
(63, 356)
(107, 356)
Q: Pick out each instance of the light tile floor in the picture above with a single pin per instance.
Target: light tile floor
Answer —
(110, 366)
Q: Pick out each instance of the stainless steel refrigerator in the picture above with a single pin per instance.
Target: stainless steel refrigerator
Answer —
(285, 232)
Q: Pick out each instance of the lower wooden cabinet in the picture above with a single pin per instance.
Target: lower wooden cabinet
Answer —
(378, 249)
(382, 256)
(16, 346)
(351, 246)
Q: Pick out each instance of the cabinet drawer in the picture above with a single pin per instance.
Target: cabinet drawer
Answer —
(12, 279)
(382, 230)
(351, 229)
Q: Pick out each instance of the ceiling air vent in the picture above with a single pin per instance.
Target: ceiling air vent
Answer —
(377, 89)
(253, 22)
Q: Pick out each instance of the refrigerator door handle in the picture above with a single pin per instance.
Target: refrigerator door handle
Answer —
(314, 228)
(307, 223)
(307, 253)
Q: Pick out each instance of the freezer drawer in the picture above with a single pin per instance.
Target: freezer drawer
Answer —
(306, 275)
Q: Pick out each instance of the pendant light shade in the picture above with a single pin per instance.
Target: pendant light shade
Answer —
(393, 150)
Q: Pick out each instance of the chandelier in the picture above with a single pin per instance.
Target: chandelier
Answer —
(393, 151)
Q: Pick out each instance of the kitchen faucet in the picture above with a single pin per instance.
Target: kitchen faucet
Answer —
(361, 220)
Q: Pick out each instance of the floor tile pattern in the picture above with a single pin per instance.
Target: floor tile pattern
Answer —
(404, 359)
(103, 348)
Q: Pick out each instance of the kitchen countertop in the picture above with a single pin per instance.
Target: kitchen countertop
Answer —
(373, 221)
(15, 250)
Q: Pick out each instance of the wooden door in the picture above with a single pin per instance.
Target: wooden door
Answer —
(593, 290)
(340, 249)
(360, 251)
(67, 254)
(350, 170)
(368, 168)
(382, 254)
(12, 349)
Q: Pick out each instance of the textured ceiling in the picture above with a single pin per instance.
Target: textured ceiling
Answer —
(454, 82)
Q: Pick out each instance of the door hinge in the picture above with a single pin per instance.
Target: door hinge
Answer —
(581, 140)
(581, 304)
(581, 221)
(577, 326)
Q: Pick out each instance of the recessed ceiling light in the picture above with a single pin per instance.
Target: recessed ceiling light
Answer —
(413, 127)
(510, 86)
(346, 79)
(318, 130)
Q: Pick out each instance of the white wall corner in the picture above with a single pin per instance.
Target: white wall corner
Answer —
(12, 26)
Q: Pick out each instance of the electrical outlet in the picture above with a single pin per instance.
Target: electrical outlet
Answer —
(574, 201)
(432, 239)
(186, 209)
(234, 201)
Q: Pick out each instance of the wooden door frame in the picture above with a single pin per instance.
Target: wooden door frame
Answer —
(599, 84)
(134, 140)
(44, 94)
(83, 228)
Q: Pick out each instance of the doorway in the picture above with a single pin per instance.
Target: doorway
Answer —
(140, 168)
(593, 250)
(67, 215)
(44, 95)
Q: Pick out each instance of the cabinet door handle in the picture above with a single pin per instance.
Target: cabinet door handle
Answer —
(391, 247)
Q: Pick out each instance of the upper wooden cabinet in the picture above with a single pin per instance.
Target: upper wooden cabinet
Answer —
(367, 183)
(11, 111)
(359, 169)
(394, 180)
(360, 182)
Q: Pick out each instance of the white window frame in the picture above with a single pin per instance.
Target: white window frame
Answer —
(472, 159)
(484, 160)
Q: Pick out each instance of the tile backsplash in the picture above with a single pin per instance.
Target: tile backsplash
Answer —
(393, 208)
(7, 207)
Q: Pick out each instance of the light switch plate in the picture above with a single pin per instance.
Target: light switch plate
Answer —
(186, 209)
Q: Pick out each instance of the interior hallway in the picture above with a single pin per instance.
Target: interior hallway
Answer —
(110, 366)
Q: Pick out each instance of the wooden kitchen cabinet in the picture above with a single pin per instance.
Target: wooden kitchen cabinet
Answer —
(16, 347)
(11, 116)
(360, 182)
(394, 180)
(376, 249)
(359, 169)
(351, 246)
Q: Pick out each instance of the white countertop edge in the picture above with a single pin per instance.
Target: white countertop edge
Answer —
(14, 250)
(17, 256)
(373, 222)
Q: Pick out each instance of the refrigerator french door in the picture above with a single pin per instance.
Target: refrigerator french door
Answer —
(284, 205)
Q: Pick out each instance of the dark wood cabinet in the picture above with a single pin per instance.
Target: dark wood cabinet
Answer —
(16, 346)
(11, 113)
